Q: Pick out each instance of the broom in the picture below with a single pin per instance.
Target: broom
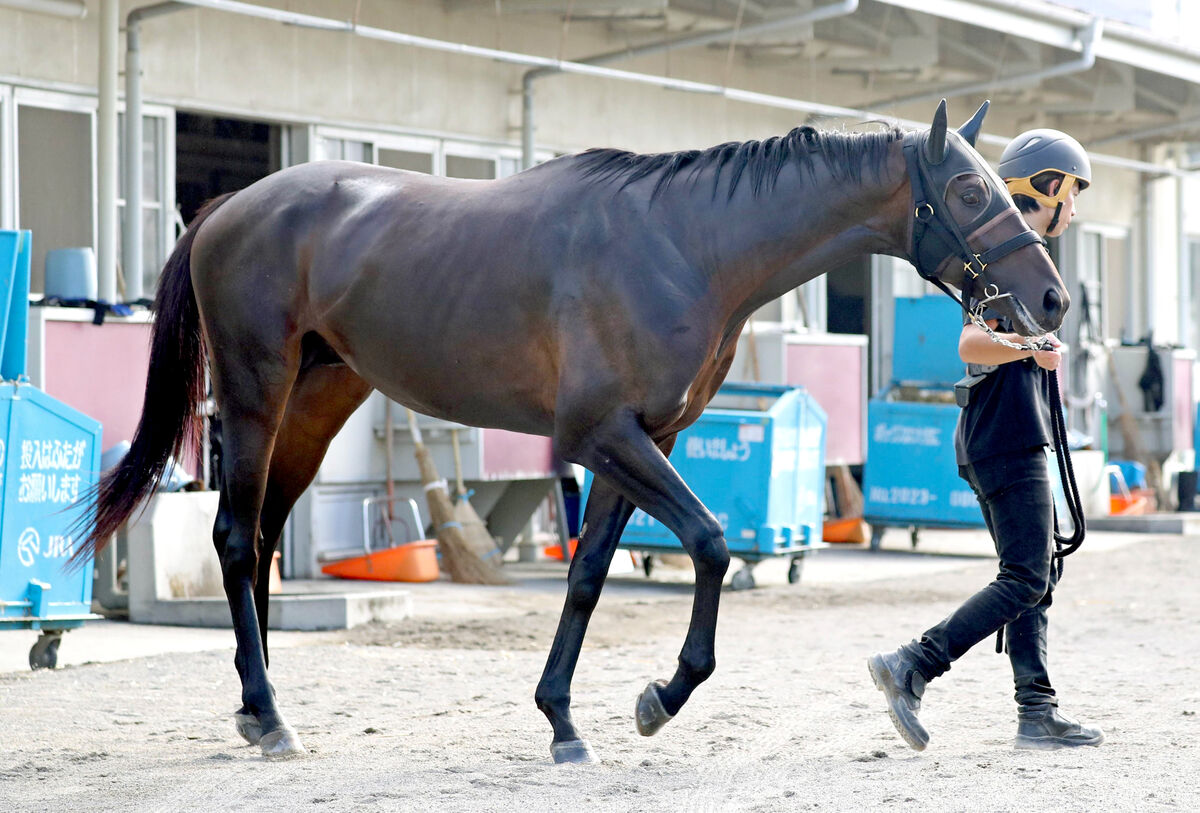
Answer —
(478, 537)
(460, 561)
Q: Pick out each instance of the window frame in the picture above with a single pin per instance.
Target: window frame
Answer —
(168, 232)
(1072, 261)
(60, 101)
(8, 160)
(505, 156)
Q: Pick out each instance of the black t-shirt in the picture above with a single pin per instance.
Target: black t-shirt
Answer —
(1009, 410)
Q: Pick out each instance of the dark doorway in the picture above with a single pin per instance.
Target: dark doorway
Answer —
(849, 298)
(215, 155)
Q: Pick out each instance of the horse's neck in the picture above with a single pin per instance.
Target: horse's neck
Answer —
(762, 246)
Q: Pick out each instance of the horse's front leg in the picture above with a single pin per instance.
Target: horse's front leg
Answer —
(621, 452)
(603, 520)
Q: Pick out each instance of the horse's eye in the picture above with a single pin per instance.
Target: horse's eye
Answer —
(970, 198)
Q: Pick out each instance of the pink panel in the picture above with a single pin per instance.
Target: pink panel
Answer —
(512, 455)
(834, 375)
(101, 371)
(1182, 406)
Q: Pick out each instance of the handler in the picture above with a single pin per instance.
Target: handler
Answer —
(1000, 448)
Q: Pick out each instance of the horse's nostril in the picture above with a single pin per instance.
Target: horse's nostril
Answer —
(1052, 302)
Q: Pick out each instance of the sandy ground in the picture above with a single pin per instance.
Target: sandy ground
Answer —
(437, 713)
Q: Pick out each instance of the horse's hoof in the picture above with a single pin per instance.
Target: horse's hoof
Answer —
(281, 744)
(575, 751)
(248, 726)
(650, 714)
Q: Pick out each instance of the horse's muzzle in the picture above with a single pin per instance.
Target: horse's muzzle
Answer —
(1054, 306)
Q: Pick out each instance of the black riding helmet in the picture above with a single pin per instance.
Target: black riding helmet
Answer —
(1037, 152)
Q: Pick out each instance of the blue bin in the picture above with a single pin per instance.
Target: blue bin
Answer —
(49, 459)
(16, 247)
(756, 459)
(911, 476)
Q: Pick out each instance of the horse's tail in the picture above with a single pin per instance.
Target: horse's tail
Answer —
(175, 388)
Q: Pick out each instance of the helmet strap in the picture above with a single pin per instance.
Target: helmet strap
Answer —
(1054, 220)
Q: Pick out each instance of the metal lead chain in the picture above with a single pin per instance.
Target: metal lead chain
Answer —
(977, 318)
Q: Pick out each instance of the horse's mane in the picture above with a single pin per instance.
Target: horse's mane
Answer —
(844, 154)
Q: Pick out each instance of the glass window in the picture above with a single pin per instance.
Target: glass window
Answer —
(1088, 272)
(154, 222)
(406, 159)
(463, 166)
(151, 188)
(345, 149)
(509, 166)
(54, 165)
(1193, 260)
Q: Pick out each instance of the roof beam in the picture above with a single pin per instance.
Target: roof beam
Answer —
(1053, 25)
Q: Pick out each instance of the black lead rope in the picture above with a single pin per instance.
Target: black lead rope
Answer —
(1064, 545)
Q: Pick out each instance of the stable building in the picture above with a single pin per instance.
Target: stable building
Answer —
(118, 119)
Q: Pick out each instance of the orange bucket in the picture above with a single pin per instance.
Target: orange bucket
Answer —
(1121, 505)
(414, 562)
(850, 529)
(555, 551)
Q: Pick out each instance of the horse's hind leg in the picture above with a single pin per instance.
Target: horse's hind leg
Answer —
(323, 397)
(603, 520)
(253, 375)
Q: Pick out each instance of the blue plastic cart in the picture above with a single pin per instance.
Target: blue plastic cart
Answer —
(756, 459)
(49, 457)
(910, 479)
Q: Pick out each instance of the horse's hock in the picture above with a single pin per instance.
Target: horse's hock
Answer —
(174, 576)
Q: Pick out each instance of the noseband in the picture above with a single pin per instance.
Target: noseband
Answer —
(935, 235)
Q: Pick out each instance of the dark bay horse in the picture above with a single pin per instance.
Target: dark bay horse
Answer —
(596, 299)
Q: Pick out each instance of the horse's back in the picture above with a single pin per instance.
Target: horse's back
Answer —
(464, 299)
(388, 265)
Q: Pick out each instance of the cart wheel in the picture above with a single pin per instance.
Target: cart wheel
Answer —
(795, 569)
(743, 579)
(44, 653)
(914, 535)
(647, 564)
(876, 536)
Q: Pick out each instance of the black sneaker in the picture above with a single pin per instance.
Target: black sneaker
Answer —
(897, 677)
(1042, 728)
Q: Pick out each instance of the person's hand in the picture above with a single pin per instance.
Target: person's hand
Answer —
(1051, 356)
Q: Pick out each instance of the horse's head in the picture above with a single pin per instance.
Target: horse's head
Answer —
(967, 232)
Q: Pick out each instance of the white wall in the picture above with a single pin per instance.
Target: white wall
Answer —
(219, 62)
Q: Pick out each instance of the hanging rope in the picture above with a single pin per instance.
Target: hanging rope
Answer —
(737, 29)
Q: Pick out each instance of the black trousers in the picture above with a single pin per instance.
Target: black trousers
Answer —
(1014, 491)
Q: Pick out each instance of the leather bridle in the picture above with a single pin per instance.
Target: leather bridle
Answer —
(936, 236)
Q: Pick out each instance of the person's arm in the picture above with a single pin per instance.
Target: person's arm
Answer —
(976, 347)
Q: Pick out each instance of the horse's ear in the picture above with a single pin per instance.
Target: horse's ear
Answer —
(970, 130)
(935, 143)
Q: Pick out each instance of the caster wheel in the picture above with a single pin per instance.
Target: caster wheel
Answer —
(742, 580)
(647, 564)
(876, 536)
(44, 653)
(795, 570)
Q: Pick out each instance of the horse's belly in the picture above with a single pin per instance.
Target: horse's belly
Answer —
(491, 383)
